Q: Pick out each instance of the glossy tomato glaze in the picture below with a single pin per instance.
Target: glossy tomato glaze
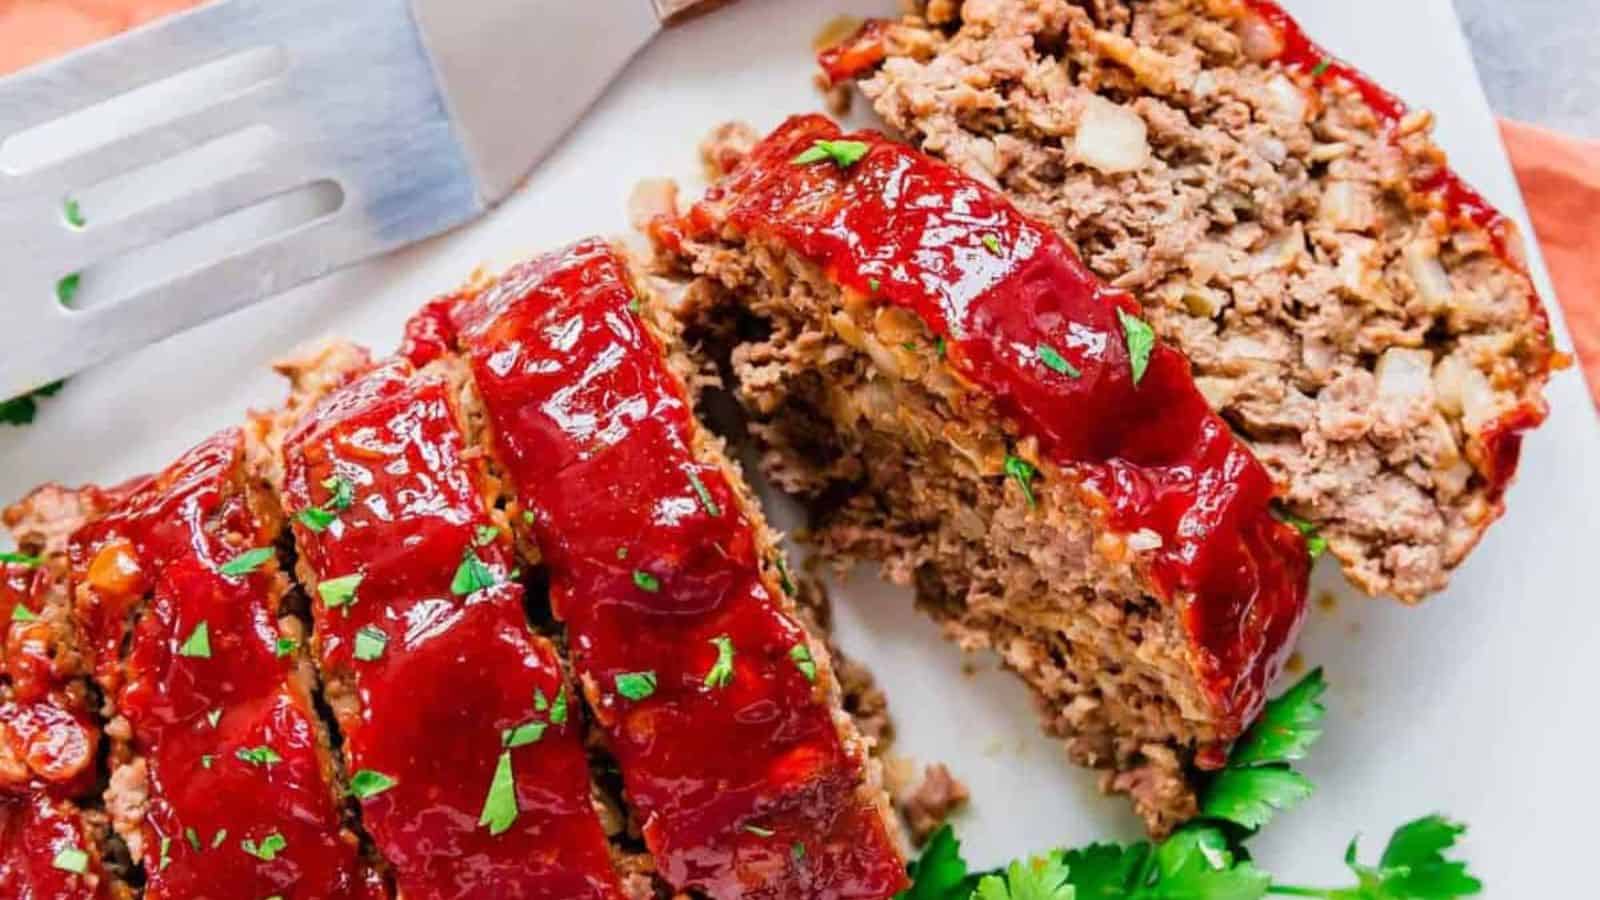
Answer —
(911, 231)
(192, 713)
(743, 784)
(34, 831)
(456, 671)
(43, 717)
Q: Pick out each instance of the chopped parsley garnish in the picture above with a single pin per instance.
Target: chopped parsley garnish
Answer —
(528, 518)
(636, 685)
(341, 591)
(316, 518)
(268, 849)
(485, 535)
(71, 859)
(370, 642)
(500, 806)
(67, 288)
(285, 646)
(218, 838)
(20, 613)
(1316, 544)
(367, 783)
(1056, 362)
(784, 580)
(622, 553)
(1258, 780)
(206, 760)
(938, 346)
(646, 582)
(73, 213)
(991, 243)
(558, 711)
(247, 562)
(874, 284)
(198, 643)
(798, 851)
(343, 490)
(1022, 472)
(1037, 878)
(801, 655)
(193, 837)
(22, 410)
(1322, 68)
(1141, 340)
(472, 576)
(213, 717)
(760, 832)
(843, 154)
(164, 858)
(21, 559)
(540, 701)
(634, 306)
(522, 735)
(706, 500)
(722, 670)
(259, 756)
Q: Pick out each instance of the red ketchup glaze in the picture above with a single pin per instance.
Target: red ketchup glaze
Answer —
(916, 233)
(34, 833)
(43, 719)
(455, 671)
(1451, 193)
(744, 786)
(193, 711)
(857, 54)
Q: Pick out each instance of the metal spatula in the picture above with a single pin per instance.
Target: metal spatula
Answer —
(370, 124)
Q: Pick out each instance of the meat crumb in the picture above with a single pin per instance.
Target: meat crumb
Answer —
(930, 804)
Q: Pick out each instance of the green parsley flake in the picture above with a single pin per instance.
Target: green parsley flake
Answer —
(259, 756)
(21, 559)
(706, 500)
(522, 735)
(500, 806)
(798, 851)
(558, 712)
(316, 518)
(874, 284)
(992, 243)
(219, 837)
(370, 642)
(343, 491)
(722, 670)
(1038, 878)
(165, 857)
(844, 154)
(1322, 68)
(540, 701)
(938, 346)
(1141, 340)
(206, 760)
(268, 849)
(528, 518)
(1316, 544)
(801, 656)
(67, 288)
(71, 859)
(193, 837)
(213, 717)
(644, 581)
(636, 685)
(247, 562)
(485, 535)
(198, 644)
(472, 576)
(784, 580)
(760, 832)
(367, 783)
(73, 213)
(1056, 362)
(285, 647)
(341, 591)
(1022, 472)
(20, 613)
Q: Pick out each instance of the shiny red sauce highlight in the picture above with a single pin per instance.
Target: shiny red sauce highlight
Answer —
(159, 556)
(744, 788)
(911, 231)
(34, 830)
(455, 672)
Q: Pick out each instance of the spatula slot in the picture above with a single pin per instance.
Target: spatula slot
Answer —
(121, 196)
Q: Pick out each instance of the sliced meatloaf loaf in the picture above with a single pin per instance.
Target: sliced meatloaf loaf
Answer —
(742, 772)
(1356, 312)
(967, 403)
(465, 744)
(223, 782)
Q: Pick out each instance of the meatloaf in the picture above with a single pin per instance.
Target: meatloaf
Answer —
(1355, 311)
(740, 769)
(968, 404)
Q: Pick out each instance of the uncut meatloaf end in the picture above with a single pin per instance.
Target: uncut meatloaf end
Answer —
(1359, 314)
(966, 404)
(742, 772)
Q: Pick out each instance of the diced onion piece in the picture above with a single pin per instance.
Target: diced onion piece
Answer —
(1433, 282)
(1347, 206)
(1405, 374)
(1259, 39)
(1111, 138)
(1144, 539)
(1288, 97)
(1463, 391)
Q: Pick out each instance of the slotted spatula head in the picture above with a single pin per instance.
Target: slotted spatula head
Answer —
(302, 135)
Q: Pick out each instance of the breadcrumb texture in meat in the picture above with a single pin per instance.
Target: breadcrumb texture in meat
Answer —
(1357, 313)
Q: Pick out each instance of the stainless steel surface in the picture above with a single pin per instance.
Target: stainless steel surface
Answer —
(415, 115)
(1539, 59)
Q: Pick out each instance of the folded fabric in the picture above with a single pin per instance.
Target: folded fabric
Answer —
(1560, 178)
(36, 30)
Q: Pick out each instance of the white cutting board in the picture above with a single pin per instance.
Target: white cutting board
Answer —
(1480, 705)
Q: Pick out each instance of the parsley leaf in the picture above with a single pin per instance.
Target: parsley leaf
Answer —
(558, 711)
(941, 872)
(991, 243)
(71, 859)
(801, 655)
(646, 582)
(285, 646)
(67, 288)
(1039, 878)
(636, 685)
(73, 213)
(22, 410)
(500, 805)
(260, 756)
(21, 559)
(367, 783)
(268, 849)
(706, 500)
(20, 613)
(472, 576)
(1288, 726)
(844, 154)
(1056, 362)
(247, 562)
(522, 735)
(198, 644)
(1249, 797)
(370, 642)
(1022, 472)
(1316, 544)
(341, 591)
(1141, 340)
(1106, 871)
(316, 518)
(1414, 865)
(1322, 67)
(343, 490)
(722, 670)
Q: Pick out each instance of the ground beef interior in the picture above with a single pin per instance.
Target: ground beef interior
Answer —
(1348, 306)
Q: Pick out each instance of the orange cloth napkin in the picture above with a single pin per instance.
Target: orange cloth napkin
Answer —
(35, 30)
(1560, 178)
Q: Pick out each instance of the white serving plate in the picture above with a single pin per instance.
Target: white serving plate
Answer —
(1480, 704)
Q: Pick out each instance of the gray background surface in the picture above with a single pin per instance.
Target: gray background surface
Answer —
(1540, 59)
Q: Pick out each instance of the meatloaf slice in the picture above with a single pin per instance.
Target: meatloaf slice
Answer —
(222, 777)
(722, 713)
(466, 745)
(972, 407)
(1361, 316)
